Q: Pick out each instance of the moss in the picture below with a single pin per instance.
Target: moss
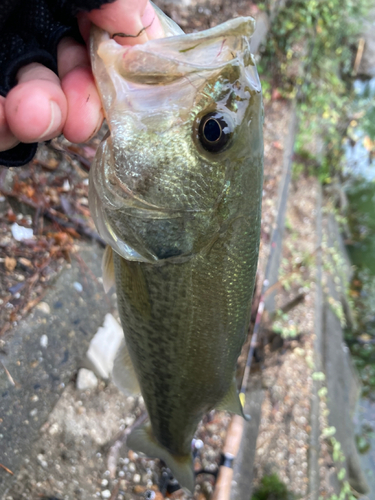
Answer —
(271, 488)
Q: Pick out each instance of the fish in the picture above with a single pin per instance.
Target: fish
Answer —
(175, 191)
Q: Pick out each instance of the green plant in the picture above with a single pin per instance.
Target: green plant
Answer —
(309, 54)
(283, 326)
(338, 455)
(271, 488)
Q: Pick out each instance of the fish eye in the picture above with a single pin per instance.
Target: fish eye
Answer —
(215, 131)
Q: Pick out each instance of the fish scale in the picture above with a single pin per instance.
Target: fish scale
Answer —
(181, 211)
(181, 328)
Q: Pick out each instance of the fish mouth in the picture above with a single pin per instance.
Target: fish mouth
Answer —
(167, 59)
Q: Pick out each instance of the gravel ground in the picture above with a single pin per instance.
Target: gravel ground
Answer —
(284, 433)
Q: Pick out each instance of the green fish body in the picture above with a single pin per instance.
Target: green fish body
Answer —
(176, 191)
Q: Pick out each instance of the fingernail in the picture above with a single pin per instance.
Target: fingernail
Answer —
(55, 122)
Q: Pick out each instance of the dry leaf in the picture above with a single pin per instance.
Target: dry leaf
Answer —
(277, 145)
(365, 337)
(368, 143)
(28, 191)
(10, 263)
(276, 95)
(138, 489)
(25, 262)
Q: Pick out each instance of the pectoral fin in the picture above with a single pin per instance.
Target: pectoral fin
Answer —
(123, 373)
(108, 269)
(231, 402)
(142, 439)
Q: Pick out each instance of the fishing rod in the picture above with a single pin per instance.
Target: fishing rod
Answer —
(235, 430)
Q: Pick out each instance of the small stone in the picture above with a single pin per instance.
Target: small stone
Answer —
(104, 346)
(86, 379)
(104, 482)
(137, 478)
(106, 494)
(44, 307)
(54, 429)
(132, 467)
(44, 340)
(198, 444)
(33, 412)
(78, 286)
(21, 233)
(42, 461)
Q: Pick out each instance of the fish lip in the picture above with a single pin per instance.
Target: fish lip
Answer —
(174, 57)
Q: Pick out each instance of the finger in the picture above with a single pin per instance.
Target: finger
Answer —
(84, 116)
(7, 139)
(36, 107)
(131, 17)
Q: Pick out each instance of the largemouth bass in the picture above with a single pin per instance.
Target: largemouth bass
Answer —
(175, 190)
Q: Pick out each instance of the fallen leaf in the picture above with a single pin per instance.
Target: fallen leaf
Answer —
(28, 191)
(11, 216)
(368, 143)
(277, 145)
(50, 164)
(72, 232)
(25, 262)
(138, 489)
(276, 95)
(61, 238)
(10, 263)
(365, 337)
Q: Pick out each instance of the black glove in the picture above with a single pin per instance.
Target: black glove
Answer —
(30, 31)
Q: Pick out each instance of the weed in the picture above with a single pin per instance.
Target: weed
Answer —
(271, 488)
(309, 54)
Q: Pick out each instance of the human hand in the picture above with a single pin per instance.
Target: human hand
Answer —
(43, 105)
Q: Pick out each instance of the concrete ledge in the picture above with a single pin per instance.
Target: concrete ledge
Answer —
(41, 370)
